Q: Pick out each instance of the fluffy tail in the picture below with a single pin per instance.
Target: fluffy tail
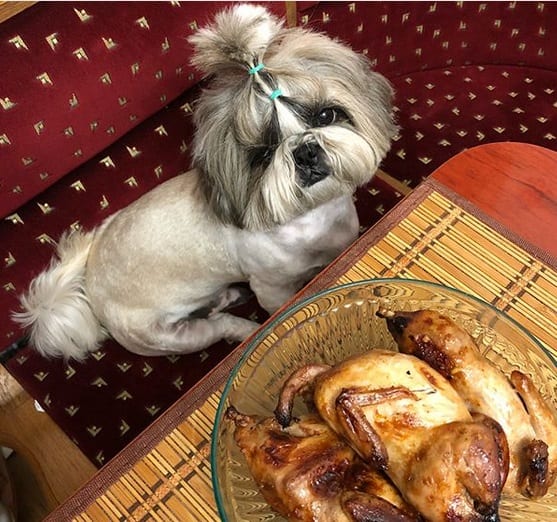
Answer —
(57, 312)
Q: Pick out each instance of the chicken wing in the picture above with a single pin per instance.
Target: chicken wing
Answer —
(403, 417)
(307, 473)
(531, 431)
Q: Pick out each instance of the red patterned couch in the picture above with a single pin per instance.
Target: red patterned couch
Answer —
(95, 109)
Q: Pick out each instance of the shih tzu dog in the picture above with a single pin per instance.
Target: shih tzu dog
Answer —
(291, 124)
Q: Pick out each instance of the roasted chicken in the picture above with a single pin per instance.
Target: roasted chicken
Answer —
(307, 473)
(404, 418)
(528, 422)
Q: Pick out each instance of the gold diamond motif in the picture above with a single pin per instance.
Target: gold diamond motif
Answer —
(71, 410)
(80, 54)
(107, 162)
(40, 376)
(82, 14)
(45, 208)
(94, 430)
(124, 395)
(134, 152)
(124, 427)
(152, 410)
(45, 239)
(124, 367)
(9, 260)
(52, 40)
(15, 219)
(7, 104)
(99, 382)
(109, 43)
(143, 23)
(4, 140)
(45, 79)
(18, 43)
(105, 79)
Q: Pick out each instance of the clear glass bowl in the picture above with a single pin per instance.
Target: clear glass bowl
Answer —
(339, 322)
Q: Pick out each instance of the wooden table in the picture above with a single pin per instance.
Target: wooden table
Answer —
(484, 222)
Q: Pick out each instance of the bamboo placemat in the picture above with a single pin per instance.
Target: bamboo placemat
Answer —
(165, 474)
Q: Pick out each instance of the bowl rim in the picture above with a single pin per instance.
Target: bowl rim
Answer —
(294, 308)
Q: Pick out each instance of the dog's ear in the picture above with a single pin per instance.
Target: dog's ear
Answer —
(238, 37)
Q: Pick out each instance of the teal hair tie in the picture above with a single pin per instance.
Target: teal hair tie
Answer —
(275, 94)
(256, 68)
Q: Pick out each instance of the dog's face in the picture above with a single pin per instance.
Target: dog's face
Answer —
(292, 119)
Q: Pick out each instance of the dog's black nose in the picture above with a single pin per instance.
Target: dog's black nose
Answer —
(311, 163)
(306, 155)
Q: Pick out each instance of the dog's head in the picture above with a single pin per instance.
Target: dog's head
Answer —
(291, 119)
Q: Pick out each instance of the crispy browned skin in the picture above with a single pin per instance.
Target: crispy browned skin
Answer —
(402, 416)
(531, 431)
(307, 473)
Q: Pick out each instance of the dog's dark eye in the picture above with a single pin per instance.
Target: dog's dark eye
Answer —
(330, 115)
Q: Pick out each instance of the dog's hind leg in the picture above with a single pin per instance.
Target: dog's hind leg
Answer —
(188, 335)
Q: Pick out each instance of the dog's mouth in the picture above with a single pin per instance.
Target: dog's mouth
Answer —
(311, 162)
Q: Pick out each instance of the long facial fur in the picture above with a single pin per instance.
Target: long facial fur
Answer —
(236, 119)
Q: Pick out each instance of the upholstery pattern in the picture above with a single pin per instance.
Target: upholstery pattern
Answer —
(75, 77)
(464, 73)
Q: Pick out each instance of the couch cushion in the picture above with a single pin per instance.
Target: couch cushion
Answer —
(76, 77)
(464, 73)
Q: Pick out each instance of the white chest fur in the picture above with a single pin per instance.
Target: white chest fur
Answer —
(294, 252)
